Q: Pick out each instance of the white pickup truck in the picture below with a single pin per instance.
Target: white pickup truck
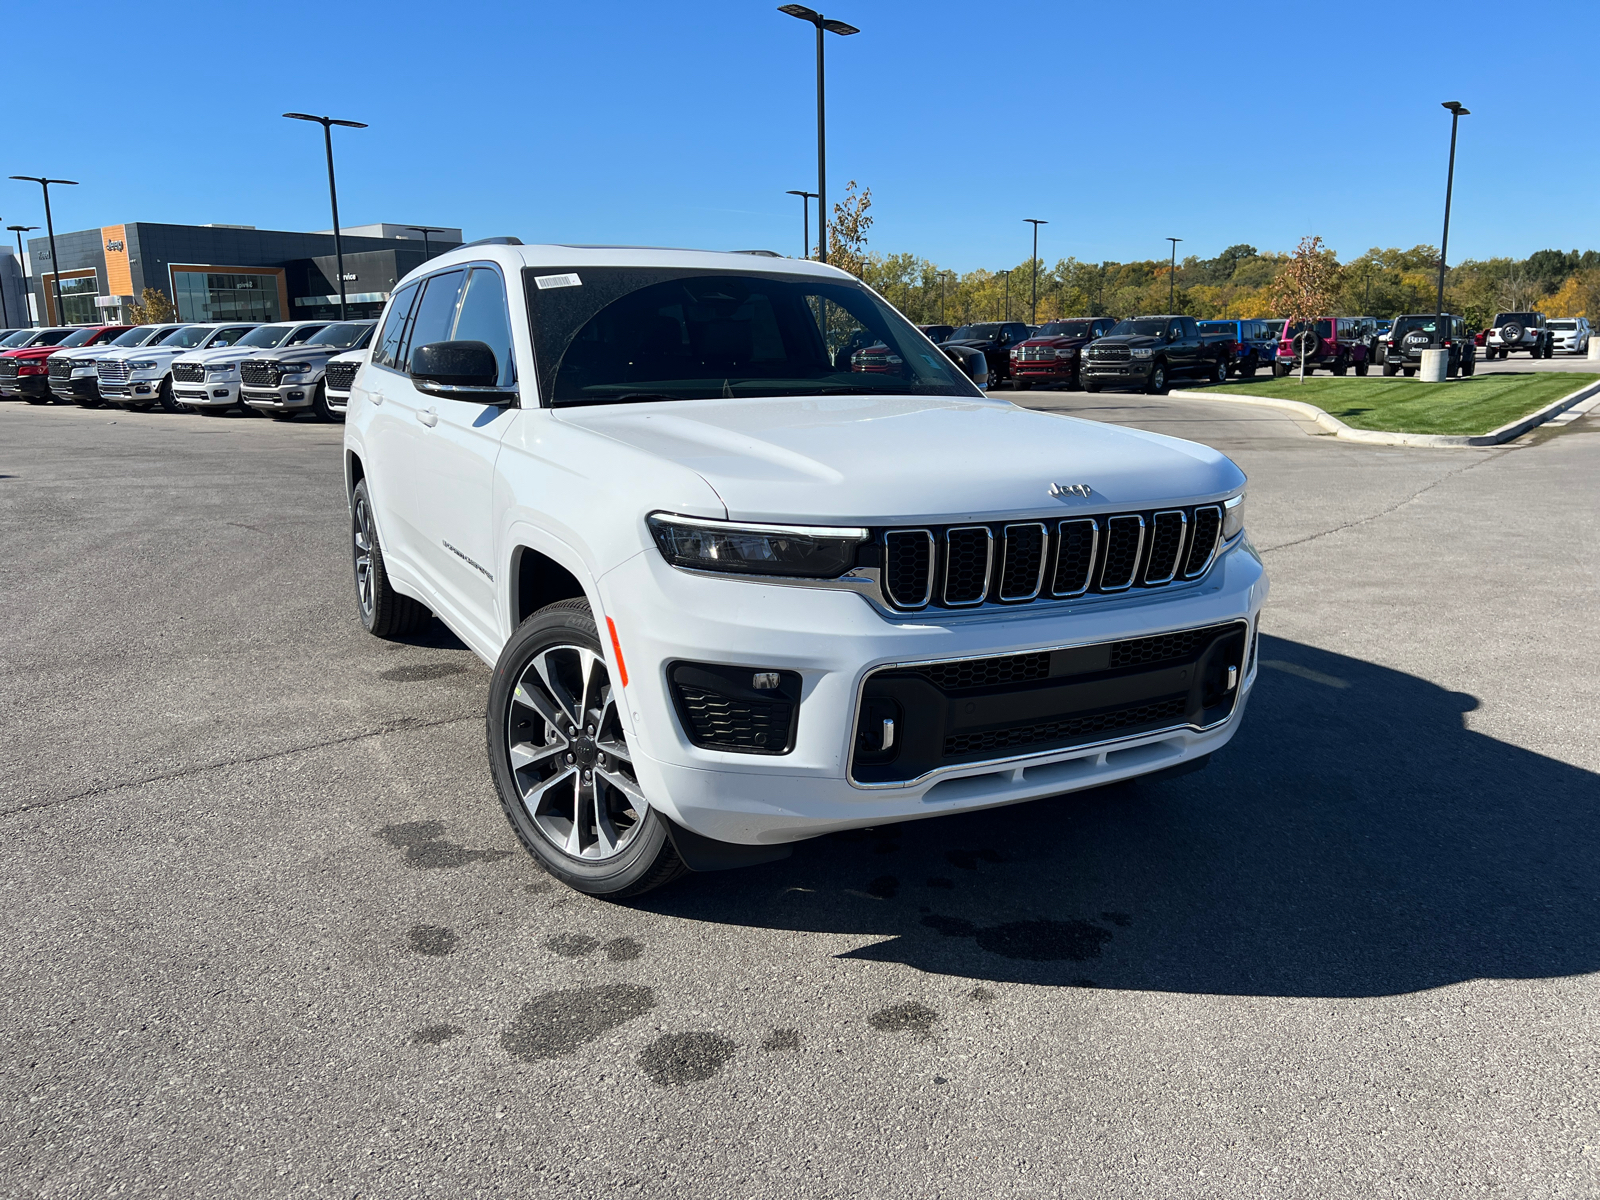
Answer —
(208, 380)
(738, 592)
(140, 378)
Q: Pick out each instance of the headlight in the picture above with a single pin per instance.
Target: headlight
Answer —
(1067, 353)
(221, 371)
(701, 545)
(146, 365)
(1232, 516)
(289, 368)
(1143, 351)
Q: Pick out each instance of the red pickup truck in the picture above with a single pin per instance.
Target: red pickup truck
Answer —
(25, 371)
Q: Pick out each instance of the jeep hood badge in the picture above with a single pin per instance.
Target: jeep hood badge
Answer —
(1071, 489)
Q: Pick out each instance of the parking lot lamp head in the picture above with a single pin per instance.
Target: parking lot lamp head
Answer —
(823, 24)
(1033, 319)
(805, 220)
(333, 194)
(50, 232)
(1172, 275)
(425, 230)
(1457, 111)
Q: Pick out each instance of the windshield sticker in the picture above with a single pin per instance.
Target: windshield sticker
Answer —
(544, 282)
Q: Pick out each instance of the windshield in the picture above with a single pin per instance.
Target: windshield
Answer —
(1064, 329)
(346, 335)
(188, 338)
(1324, 328)
(977, 333)
(1216, 327)
(1519, 318)
(76, 338)
(19, 338)
(1407, 325)
(137, 336)
(265, 336)
(1151, 327)
(51, 337)
(1561, 324)
(639, 333)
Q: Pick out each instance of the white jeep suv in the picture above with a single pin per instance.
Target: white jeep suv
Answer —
(737, 593)
(208, 380)
(140, 378)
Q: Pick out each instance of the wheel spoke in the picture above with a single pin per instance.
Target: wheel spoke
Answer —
(605, 836)
(543, 668)
(526, 754)
(626, 786)
(542, 704)
(618, 750)
(583, 798)
(534, 798)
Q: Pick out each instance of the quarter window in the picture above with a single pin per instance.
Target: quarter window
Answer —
(387, 353)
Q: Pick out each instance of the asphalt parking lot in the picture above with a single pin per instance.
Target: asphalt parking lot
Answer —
(268, 933)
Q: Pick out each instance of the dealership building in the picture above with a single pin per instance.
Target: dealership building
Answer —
(223, 272)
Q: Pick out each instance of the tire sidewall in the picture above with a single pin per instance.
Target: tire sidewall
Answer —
(560, 624)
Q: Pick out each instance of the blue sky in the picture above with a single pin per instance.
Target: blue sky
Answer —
(684, 125)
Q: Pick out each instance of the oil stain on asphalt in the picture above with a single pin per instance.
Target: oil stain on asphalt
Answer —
(680, 1058)
(572, 945)
(557, 1023)
(433, 940)
(898, 1018)
(425, 847)
(433, 1035)
(781, 1039)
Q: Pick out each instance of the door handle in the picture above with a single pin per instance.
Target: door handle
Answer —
(428, 417)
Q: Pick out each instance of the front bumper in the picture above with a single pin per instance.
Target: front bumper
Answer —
(286, 397)
(135, 391)
(1060, 370)
(337, 401)
(78, 387)
(1111, 372)
(834, 641)
(207, 395)
(33, 385)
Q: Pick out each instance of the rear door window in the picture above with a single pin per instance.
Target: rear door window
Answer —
(386, 352)
(436, 312)
(483, 319)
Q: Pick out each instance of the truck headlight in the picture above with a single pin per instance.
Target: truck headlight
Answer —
(1232, 516)
(146, 365)
(1067, 353)
(811, 552)
(291, 368)
(1142, 351)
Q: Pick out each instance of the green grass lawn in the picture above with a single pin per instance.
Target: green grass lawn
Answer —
(1398, 405)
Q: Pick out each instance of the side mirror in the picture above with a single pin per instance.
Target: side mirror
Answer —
(460, 371)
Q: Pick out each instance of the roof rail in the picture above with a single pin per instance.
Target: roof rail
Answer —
(494, 241)
(762, 253)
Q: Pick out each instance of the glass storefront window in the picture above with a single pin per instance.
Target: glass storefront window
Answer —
(77, 301)
(226, 296)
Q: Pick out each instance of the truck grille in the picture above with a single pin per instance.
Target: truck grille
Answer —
(188, 373)
(965, 566)
(8, 368)
(1036, 354)
(113, 371)
(61, 368)
(259, 374)
(1109, 353)
(339, 376)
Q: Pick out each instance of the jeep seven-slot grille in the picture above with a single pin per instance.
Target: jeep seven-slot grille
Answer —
(258, 374)
(188, 373)
(339, 376)
(61, 368)
(113, 371)
(964, 566)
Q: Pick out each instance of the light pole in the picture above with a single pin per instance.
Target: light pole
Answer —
(805, 220)
(944, 288)
(5, 310)
(424, 230)
(1033, 319)
(1007, 274)
(1172, 275)
(22, 262)
(50, 230)
(1456, 113)
(823, 24)
(333, 193)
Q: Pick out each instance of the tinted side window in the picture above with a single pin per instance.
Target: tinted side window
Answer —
(386, 353)
(436, 312)
(483, 318)
(227, 337)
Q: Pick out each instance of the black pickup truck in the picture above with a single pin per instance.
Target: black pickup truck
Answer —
(1148, 353)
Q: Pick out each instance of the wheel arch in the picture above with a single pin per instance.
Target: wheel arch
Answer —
(538, 580)
(354, 472)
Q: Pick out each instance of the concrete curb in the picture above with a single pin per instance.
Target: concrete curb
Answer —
(1374, 437)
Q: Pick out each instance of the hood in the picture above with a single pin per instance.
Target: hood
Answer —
(974, 343)
(222, 354)
(896, 459)
(1057, 340)
(1130, 339)
(28, 353)
(298, 354)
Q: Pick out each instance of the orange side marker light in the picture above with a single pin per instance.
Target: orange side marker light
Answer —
(616, 648)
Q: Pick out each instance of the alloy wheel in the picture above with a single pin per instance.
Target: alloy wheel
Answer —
(364, 539)
(569, 757)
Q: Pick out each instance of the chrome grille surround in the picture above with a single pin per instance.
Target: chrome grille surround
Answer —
(113, 371)
(1166, 546)
(1109, 353)
(1120, 531)
(962, 546)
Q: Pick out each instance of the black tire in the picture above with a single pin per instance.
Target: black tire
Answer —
(276, 415)
(1341, 365)
(1470, 367)
(1022, 385)
(1249, 367)
(1279, 370)
(384, 612)
(645, 857)
(319, 406)
(1410, 371)
(1549, 349)
(1390, 368)
(1219, 371)
(1156, 384)
(167, 400)
(37, 399)
(90, 402)
(1362, 367)
(1091, 385)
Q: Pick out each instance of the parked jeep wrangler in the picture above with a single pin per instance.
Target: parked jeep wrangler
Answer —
(1340, 343)
(1255, 343)
(1519, 331)
(1411, 335)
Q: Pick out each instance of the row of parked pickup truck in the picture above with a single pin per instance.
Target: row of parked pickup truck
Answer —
(283, 368)
(1148, 352)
